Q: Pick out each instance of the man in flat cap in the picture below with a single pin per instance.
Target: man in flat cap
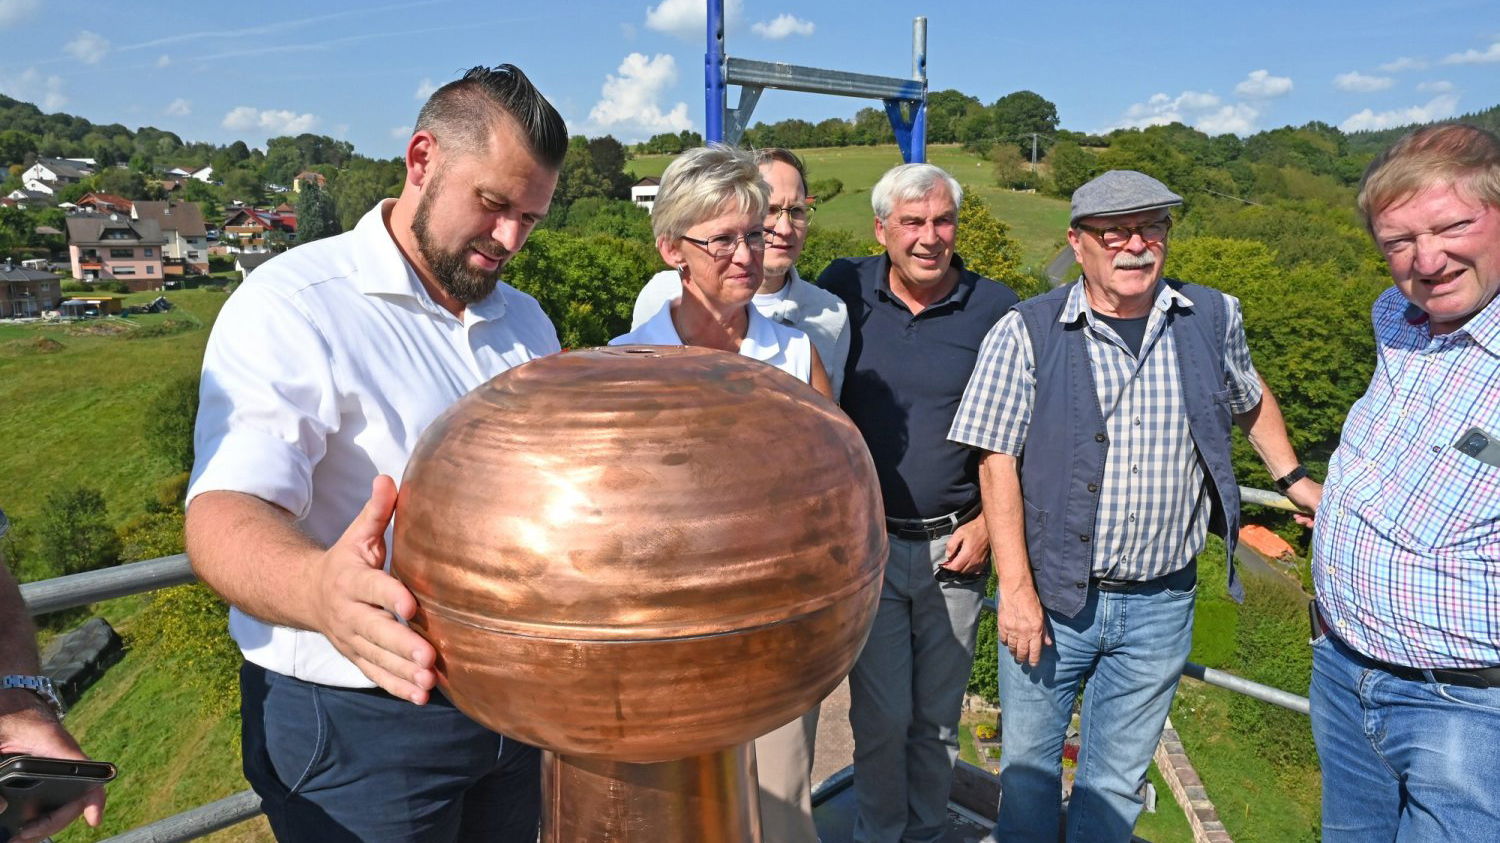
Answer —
(1103, 410)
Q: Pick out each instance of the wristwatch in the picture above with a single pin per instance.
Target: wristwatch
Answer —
(1291, 477)
(39, 685)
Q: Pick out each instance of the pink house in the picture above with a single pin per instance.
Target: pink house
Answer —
(116, 248)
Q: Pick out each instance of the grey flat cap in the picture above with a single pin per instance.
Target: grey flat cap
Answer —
(1121, 192)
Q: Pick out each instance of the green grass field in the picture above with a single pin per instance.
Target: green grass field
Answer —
(77, 415)
(1037, 222)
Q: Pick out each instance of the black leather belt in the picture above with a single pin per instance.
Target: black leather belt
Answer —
(1468, 677)
(1179, 580)
(1479, 677)
(917, 529)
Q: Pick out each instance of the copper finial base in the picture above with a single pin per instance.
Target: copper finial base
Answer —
(710, 798)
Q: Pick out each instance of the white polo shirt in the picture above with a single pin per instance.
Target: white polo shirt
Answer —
(782, 346)
(322, 371)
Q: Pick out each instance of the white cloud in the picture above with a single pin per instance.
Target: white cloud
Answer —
(401, 133)
(274, 122)
(180, 108)
(687, 19)
(632, 99)
(163, 60)
(1237, 119)
(1488, 56)
(13, 12)
(783, 26)
(1403, 63)
(88, 47)
(425, 89)
(1438, 108)
(1199, 109)
(1261, 85)
(1358, 83)
(32, 86)
(1440, 86)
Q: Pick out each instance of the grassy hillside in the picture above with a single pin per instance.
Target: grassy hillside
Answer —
(76, 399)
(1038, 222)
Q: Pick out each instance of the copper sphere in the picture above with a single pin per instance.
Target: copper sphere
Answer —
(641, 553)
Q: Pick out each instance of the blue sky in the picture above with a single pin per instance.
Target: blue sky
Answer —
(359, 71)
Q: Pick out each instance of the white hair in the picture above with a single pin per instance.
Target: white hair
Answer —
(908, 182)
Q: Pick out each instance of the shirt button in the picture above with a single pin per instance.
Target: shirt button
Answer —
(1093, 487)
(1081, 583)
(1437, 449)
(1137, 421)
(1135, 469)
(1099, 437)
(1132, 516)
(1083, 538)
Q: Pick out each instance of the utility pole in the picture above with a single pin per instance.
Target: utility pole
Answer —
(1033, 153)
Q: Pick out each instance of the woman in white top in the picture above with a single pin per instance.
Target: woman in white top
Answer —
(709, 221)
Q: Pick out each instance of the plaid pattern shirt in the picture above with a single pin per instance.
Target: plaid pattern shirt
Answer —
(1154, 506)
(1406, 554)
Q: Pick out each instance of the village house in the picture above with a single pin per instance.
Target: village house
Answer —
(244, 230)
(27, 292)
(248, 262)
(643, 192)
(103, 203)
(181, 224)
(309, 177)
(48, 175)
(115, 247)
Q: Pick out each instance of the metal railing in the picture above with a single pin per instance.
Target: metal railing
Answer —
(83, 589)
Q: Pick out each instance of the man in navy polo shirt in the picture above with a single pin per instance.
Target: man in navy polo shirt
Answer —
(917, 319)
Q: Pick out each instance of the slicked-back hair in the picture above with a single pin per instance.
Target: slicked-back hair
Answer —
(766, 154)
(462, 113)
(701, 182)
(910, 182)
(1465, 156)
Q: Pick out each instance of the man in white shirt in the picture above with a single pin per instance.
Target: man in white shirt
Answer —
(783, 295)
(321, 374)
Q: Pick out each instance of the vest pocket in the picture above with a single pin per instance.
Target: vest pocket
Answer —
(1036, 533)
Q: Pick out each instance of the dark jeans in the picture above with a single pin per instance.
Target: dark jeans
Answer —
(345, 764)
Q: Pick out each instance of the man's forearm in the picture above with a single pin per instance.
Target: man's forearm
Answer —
(1000, 488)
(17, 634)
(1266, 430)
(251, 553)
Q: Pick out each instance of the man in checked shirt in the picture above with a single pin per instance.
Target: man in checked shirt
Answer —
(1103, 410)
(1406, 553)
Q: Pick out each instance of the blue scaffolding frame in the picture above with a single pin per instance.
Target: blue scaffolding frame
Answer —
(905, 99)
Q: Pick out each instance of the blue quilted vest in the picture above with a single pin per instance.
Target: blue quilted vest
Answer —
(1062, 461)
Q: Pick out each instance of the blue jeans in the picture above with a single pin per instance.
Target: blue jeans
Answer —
(344, 764)
(1130, 648)
(1402, 759)
(905, 696)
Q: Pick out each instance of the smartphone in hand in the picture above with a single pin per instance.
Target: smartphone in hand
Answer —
(33, 786)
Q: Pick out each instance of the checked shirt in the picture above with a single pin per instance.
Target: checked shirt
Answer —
(1154, 505)
(1406, 553)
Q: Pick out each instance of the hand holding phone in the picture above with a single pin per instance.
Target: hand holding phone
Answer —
(33, 787)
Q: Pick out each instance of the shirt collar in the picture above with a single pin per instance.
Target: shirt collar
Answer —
(1077, 307)
(384, 271)
(958, 296)
(1483, 328)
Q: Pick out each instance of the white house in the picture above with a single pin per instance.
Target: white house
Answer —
(204, 174)
(643, 192)
(49, 174)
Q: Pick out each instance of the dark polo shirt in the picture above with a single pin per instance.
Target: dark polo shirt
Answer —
(905, 377)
